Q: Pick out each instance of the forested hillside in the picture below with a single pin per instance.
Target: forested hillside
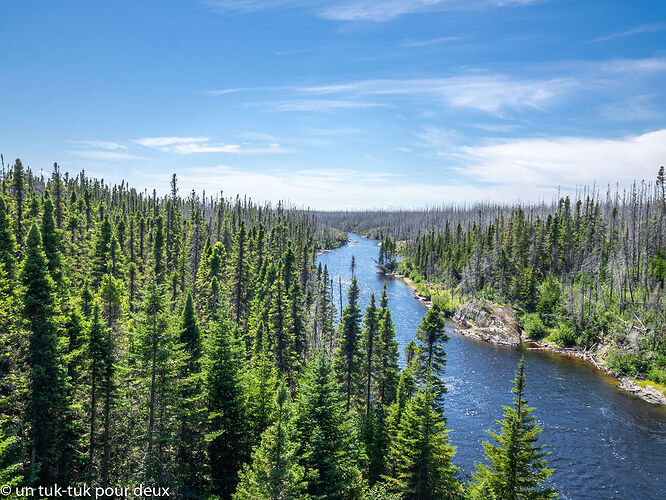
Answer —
(191, 344)
(586, 271)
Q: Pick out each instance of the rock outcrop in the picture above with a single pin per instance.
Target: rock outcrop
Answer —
(647, 393)
(488, 322)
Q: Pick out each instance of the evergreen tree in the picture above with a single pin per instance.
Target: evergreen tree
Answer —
(388, 372)
(431, 335)
(329, 447)
(48, 398)
(18, 188)
(346, 359)
(7, 243)
(51, 240)
(274, 473)
(190, 453)
(424, 470)
(368, 343)
(227, 433)
(517, 467)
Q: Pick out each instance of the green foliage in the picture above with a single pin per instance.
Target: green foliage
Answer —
(516, 467)
(533, 326)
(329, 448)
(274, 472)
(626, 362)
(563, 335)
(424, 456)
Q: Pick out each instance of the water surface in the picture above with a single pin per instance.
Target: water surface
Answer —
(605, 443)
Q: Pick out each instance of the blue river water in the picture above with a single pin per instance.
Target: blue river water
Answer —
(604, 443)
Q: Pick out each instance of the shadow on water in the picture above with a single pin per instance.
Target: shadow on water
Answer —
(605, 443)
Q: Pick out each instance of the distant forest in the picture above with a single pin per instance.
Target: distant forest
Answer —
(191, 343)
(586, 271)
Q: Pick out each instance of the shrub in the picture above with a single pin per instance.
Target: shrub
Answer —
(625, 363)
(564, 335)
(657, 375)
(534, 327)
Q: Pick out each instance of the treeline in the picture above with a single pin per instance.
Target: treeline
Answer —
(192, 344)
(587, 271)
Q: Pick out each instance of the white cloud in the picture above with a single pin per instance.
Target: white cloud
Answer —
(359, 10)
(190, 145)
(156, 142)
(103, 155)
(645, 28)
(634, 109)
(482, 92)
(426, 43)
(535, 163)
(98, 145)
(319, 105)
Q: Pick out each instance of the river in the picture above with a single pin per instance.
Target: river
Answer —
(605, 443)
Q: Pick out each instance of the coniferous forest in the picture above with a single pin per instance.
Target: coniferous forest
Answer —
(190, 344)
(585, 272)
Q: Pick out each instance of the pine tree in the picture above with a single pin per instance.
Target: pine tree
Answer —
(346, 358)
(329, 447)
(517, 467)
(275, 473)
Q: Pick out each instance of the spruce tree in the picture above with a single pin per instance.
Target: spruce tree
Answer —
(7, 242)
(431, 335)
(329, 449)
(275, 472)
(18, 188)
(516, 468)
(227, 425)
(388, 372)
(423, 455)
(368, 346)
(48, 398)
(346, 358)
(51, 240)
(190, 452)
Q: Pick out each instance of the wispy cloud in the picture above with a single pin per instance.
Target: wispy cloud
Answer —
(489, 93)
(636, 108)
(98, 145)
(156, 142)
(319, 105)
(359, 10)
(190, 145)
(427, 43)
(103, 155)
(644, 28)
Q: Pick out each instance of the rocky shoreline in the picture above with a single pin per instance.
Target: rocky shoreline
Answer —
(499, 325)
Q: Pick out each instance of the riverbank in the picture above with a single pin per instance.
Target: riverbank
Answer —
(470, 328)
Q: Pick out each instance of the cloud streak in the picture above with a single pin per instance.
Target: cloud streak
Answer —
(359, 10)
(191, 145)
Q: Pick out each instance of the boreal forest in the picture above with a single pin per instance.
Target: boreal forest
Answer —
(585, 272)
(189, 344)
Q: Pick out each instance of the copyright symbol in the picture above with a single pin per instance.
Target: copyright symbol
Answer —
(6, 490)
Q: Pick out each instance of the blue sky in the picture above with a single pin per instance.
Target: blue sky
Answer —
(338, 103)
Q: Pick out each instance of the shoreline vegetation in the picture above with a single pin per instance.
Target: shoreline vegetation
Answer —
(595, 357)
